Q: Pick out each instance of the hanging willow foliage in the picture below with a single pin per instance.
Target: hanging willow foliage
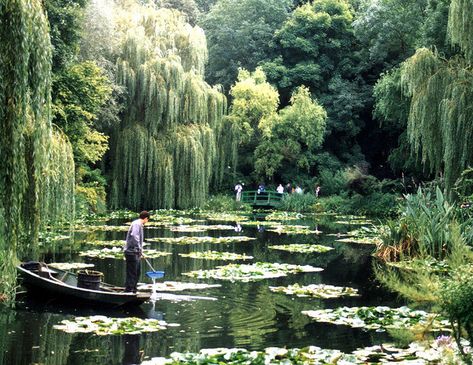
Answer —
(460, 26)
(440, 124)
(28, 151)
(166, 152)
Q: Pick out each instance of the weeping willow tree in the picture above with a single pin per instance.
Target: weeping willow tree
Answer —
(35, 169)
(440, 122)
(172, 144)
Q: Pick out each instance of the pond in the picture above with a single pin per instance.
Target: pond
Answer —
(232, 313)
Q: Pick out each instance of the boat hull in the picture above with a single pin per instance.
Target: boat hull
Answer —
(66, 286)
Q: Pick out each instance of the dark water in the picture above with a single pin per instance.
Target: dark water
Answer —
(246, 315)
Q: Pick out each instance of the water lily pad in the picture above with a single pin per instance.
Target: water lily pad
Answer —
(430, 264)
(272, 355)
(105, 228)
(293, 229)
(316, 291)
(214, 255)
(224, 217)
(102, 325)
(186, 240)
(70, 265)
(284, 216)
(303, 248)
(201, 228)
(361, 240)
(249, 272)
(117, 253)
(379, 317)
(261, 223)
(111, 243)
(176, 286)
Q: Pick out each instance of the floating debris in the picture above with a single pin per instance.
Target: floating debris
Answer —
(302, 248)
(379, 318)
(117, 253)
(316, 291)
(248, 272)
(186, 240)
(176, 286)
(214, 255)
(102, 325)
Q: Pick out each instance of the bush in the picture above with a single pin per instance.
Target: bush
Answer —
(90, 199)
(332, 182)
(225, 203)
(299, 202)
(456, 299)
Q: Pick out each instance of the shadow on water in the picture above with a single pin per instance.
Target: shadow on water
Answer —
(245, 315)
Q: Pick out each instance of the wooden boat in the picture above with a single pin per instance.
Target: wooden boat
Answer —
(40, 278)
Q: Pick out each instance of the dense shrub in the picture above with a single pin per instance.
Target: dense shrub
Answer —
(456, 299)
(225, 203)
(299, 202)
(90, 199)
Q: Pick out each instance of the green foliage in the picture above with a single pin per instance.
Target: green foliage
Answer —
(456, 299)
(64, 17)
(460, 26)
(240, 34)
(292, 137)
(390, 29)
(439, 122)
(165, 154)
(90, 199)
(430, 216)
(225, 203)
(187, 7)
(32, 153)
(80, 91)
(316, 47)
(255, 102)
(299, 202)
(333, 181)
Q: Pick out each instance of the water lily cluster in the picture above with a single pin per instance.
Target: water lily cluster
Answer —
(316, 291)
(214, 255)
(302, 248)
(418, 353)
(117, 253)
(249, 272)
(176, 286)
(186, 240)
(102, 325)
(379, 318)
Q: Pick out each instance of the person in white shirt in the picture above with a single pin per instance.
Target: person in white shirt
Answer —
(280, 189)
(298, 190)
(238, 189)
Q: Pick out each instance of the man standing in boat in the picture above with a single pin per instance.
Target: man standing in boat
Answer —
(134, 251)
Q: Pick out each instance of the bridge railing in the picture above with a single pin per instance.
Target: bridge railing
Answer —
(264, 198)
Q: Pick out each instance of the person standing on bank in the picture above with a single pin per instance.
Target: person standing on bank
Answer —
(134, 251)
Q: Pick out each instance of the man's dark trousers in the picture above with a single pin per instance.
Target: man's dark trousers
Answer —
(133, 270)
